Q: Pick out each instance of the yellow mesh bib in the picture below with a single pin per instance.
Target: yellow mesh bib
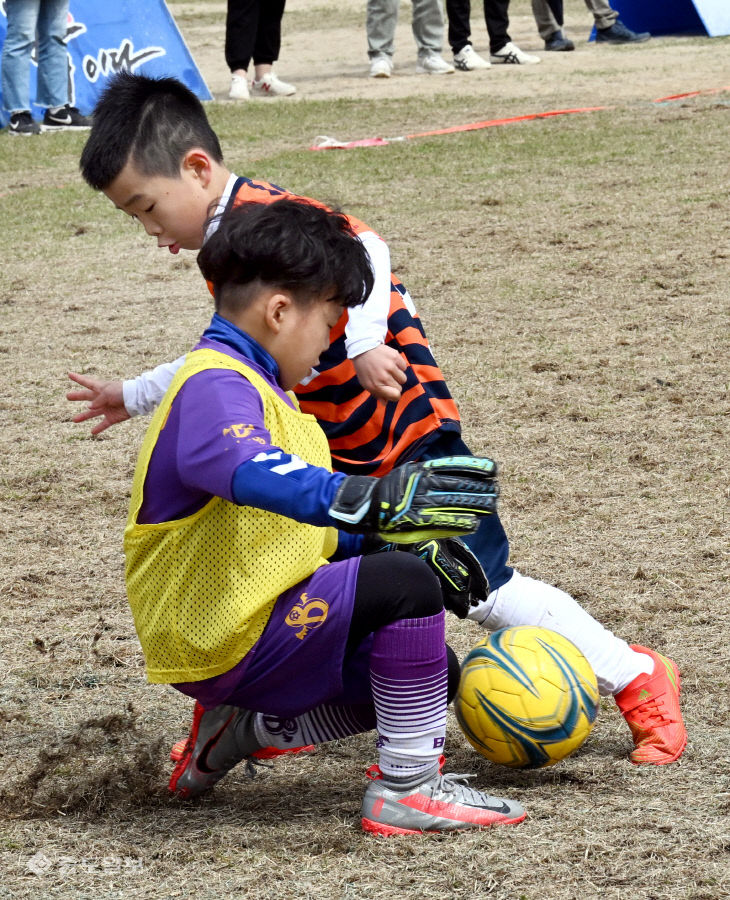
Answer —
(202, 588)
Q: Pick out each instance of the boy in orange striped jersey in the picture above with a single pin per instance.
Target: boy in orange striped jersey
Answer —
(153, 153)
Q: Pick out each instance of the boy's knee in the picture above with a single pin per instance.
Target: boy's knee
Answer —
(391, 587)
(420, 589)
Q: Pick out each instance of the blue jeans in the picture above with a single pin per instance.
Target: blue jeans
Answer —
(489, 542)
(25, 18)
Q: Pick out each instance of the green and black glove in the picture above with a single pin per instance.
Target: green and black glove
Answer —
(463, 580)
(419, 501)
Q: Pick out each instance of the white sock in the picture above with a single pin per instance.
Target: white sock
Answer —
(526, 601)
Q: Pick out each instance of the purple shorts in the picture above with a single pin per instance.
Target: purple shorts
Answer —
(299, 662)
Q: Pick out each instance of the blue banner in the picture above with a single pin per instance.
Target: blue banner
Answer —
(102, 38)
(710, 17)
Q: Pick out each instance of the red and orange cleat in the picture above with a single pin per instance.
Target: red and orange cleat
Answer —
(650, 705)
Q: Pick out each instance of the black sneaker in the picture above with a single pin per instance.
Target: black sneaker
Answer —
(558, 41)
(618, 33)
(67, 118)
(22, 123)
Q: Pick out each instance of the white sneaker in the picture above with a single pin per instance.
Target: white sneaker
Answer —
(271, 86)
(239, 88)
(467, 59)
(511, 54)
(381, 66)
(433, 64)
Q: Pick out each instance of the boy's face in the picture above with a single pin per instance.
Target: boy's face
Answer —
(173, 210)
(303, 337)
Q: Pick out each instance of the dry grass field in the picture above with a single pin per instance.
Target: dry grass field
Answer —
(573, 275)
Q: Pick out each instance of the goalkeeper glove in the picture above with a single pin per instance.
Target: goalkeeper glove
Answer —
(417, 501)
(463, 581)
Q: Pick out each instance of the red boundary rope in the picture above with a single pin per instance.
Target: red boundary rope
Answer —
(332, 144)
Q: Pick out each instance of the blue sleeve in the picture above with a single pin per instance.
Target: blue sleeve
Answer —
(283, 483)
(348, 545)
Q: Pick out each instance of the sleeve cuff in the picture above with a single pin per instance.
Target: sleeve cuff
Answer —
(129, 395)
(362, 345)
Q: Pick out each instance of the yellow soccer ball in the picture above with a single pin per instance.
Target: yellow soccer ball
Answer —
(527, 697)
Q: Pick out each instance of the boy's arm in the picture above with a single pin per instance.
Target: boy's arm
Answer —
(380, 369)
(117, 401)
(434, 499)
(144, 393)
(223, 448)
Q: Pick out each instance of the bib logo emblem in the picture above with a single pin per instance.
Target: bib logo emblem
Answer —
(239, 431)
(307, 614)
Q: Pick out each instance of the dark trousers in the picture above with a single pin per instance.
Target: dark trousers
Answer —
(496, 17)
(253, 32)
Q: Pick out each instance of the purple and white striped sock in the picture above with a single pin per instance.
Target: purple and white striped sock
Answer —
(409, 679)
(319, 725)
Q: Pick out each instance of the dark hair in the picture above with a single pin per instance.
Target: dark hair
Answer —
(152, 122)
(292, 245)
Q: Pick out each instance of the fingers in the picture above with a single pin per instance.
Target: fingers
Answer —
(463, 556)
(80, 395)
(475, 504)
(399, 372)
(461, 481)
(381, 371)
(445, 490)
(388, 387)
(386, 393)
(101, 426)
(92, 413)
(469, 466)
(434, 525)
(85, 381)
(89, 413)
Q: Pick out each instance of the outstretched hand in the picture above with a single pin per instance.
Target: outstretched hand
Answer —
(104, 398)
(381, 371)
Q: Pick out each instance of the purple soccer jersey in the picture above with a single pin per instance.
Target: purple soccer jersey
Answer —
(214, 425)
(398, 677)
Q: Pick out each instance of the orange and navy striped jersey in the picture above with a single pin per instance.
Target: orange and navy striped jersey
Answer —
(367, 437)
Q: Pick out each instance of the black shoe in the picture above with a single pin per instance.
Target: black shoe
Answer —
(558, 41)
(67, 118)
(22, 123)
(618, 33)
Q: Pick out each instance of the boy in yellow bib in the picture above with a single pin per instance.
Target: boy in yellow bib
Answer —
(245, 566)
